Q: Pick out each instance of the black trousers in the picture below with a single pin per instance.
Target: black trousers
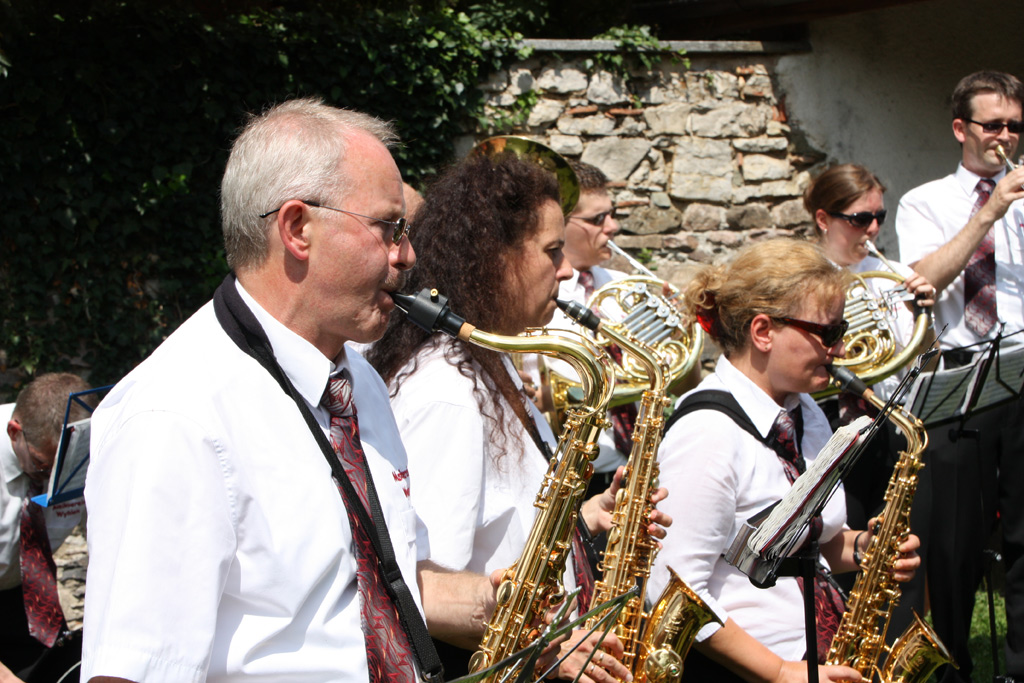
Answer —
(29, 659)
(976, 480)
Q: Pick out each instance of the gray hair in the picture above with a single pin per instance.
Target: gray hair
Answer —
(294, 150)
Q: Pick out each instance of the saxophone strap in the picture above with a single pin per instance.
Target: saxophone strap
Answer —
(244, 330)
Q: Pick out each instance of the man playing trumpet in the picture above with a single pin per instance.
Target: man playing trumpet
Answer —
(965, 233)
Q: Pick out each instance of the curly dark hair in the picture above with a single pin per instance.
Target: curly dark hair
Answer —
(467, 236)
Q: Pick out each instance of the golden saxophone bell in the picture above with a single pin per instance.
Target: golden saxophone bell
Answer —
(678, 615)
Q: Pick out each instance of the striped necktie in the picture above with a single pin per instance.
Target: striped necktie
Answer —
(980, 274)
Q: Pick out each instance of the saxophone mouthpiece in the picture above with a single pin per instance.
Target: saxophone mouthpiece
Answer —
(429, 310)
(580, 314)
(844, 378)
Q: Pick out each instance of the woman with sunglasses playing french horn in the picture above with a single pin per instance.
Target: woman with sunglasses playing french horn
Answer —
(776, 311)
(847, 205)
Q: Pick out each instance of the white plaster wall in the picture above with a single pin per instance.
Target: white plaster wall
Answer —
(875, 87)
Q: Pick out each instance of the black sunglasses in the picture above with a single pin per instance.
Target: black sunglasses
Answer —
(597, 220)
(861, 219)
(830, 335)
(1015, 127)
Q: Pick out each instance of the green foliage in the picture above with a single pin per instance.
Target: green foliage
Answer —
(634, 43)
(115, 121)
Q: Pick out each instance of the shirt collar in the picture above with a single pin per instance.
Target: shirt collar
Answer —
(304, 364)
(758, 405)
(969, 179)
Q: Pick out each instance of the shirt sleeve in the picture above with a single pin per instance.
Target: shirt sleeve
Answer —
(161, 540)
(698, 465)
(918, 232)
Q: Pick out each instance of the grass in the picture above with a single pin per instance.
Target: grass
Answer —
(981, 643)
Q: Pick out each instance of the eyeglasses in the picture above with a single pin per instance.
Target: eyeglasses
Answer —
(597, 220)
(400, 228)
(861, 219)
(1014, 127)
(830, 335)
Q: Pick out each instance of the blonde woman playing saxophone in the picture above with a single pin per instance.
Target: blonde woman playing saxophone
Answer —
(777, 312)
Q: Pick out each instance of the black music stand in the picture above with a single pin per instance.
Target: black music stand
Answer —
(994, 376)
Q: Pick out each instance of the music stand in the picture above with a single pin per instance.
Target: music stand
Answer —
(994, 377)
(70, 464)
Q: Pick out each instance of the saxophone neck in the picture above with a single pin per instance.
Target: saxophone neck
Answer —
(655, 367)
(913, 429)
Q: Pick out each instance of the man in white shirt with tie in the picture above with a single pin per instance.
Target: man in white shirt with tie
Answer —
(224, 544)
(965, 233)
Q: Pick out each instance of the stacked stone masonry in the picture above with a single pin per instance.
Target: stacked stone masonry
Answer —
(701, 159)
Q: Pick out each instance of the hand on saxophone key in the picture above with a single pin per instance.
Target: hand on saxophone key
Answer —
(906, 563)
(796, 672)
(604, 666)
(597, 511)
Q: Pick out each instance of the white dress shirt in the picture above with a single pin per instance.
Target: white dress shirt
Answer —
(60, 519)
(219, 545)
(571, 290)
(720, 476)
(929, 216)
(478, 508)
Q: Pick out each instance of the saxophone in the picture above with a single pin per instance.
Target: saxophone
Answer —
(533, 582)
(860, 640)
(655, 655)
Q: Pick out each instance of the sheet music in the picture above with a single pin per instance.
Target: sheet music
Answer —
(1008, 366)
(807, 495)
(67, 478)
(939, 396)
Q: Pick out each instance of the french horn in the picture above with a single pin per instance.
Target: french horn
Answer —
(872, 347)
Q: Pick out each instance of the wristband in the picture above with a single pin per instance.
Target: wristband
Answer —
(857, 557)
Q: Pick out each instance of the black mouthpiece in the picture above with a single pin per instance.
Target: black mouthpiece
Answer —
(846, 380)
(580, 313)
(429, 310)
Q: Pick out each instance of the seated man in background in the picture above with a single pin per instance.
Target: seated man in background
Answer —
(34, 641)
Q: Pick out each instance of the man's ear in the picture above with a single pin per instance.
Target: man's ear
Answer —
(13, 429)
(960, 130)
(762, 331)
(293, 226)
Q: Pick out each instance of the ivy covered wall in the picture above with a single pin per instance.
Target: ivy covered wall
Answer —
(114, 130)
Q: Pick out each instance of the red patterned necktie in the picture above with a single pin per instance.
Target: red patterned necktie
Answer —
(980, 274)
(623, 418)
(388, 652)
(828, 603)
(39, 577)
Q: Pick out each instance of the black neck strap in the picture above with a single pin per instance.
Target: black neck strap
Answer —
(244, 330)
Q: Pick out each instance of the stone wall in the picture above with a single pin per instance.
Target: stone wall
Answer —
(701, 159)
